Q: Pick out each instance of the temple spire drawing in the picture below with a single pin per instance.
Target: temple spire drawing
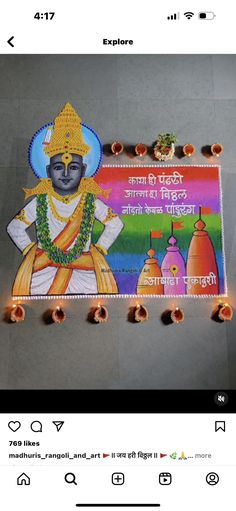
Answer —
(201, 260)
(173, 265)
(151, 272)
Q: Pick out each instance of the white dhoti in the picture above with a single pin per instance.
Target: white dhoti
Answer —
(81, 282)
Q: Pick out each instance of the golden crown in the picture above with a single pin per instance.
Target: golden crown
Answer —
(66, 137)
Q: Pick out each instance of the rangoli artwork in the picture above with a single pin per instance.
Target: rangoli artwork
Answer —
(152, 230)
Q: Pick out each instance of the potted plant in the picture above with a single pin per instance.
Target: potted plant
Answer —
(164, 148)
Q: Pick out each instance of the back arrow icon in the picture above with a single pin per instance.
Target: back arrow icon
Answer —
(10, 41)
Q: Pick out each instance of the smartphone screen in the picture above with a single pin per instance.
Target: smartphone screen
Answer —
(117, 260)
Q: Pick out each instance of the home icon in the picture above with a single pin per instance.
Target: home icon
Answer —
(23, 479)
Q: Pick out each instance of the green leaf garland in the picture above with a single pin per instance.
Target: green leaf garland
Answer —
(57, 255)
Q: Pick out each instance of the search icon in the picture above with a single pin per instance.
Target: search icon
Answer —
(70, 478)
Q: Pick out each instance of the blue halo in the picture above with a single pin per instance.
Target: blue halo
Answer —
(38, 160)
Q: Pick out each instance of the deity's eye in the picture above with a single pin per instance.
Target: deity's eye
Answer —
(74, 167)
(58, 167)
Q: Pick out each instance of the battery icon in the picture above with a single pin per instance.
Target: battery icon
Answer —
(206, 15)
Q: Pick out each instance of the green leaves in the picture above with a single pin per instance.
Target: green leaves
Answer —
(166, 139)
(57, 255)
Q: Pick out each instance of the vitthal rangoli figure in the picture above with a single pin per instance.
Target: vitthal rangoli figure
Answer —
(63, 207)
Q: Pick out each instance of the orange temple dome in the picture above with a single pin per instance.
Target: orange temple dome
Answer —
(149, 281)
(201, 262)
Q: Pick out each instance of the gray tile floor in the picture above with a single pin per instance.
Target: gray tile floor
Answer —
(131, 98)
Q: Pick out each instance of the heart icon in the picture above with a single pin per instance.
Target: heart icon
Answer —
(14, 425)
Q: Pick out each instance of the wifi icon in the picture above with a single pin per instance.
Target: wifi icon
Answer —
(189, 15)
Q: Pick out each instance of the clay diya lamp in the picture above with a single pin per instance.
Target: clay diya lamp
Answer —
(117, 148)
(217, 150)
(140, 313)
(101, 314)
(141, 150)
(225, 312)
(177, 315)
(189, 150)
(58, 315)
(17, 314)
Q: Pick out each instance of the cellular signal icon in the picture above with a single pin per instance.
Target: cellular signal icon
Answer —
(174, 16)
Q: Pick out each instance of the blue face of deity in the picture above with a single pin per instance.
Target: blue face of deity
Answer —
(66, 179)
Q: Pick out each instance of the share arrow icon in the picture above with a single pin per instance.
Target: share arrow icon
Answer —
(58, 424)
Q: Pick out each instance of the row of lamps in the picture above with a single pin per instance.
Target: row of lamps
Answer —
(138, 314)
(141, 150)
